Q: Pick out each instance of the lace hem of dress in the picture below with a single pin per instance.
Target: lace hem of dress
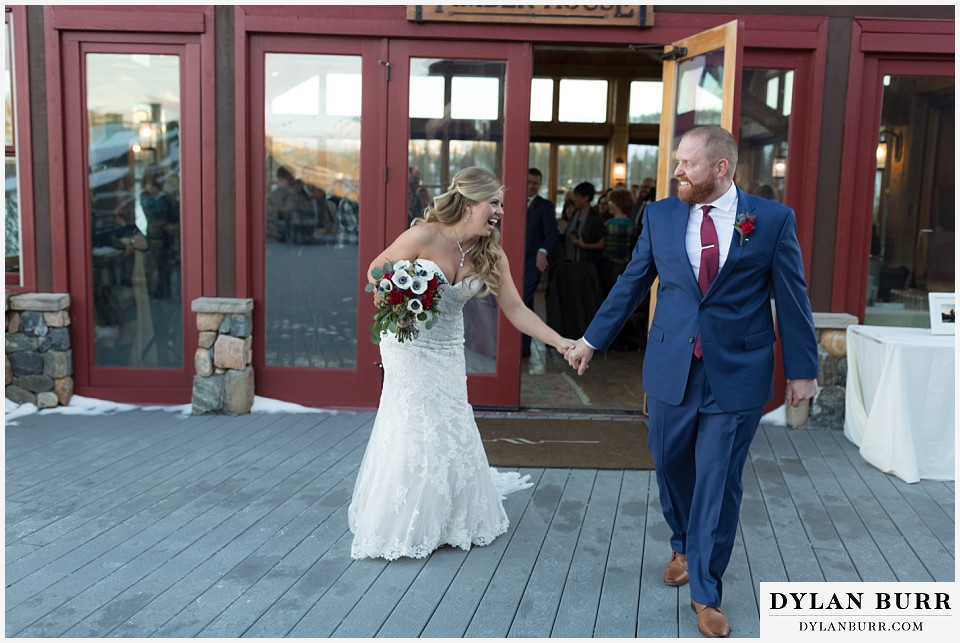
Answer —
(376, 548)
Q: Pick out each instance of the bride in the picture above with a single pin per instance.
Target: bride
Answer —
(425, 481)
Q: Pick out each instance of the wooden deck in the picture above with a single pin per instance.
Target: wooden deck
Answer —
(152, 524)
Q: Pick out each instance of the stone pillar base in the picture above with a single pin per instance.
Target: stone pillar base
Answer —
(39, 366)
(224, 381)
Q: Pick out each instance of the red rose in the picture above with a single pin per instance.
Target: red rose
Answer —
(746, 227)
(395, 297)
(426, 299)
(433, 284)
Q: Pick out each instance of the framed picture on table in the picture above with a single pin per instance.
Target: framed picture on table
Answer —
(943, 313)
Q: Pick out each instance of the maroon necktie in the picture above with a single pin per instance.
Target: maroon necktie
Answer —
(709, 261)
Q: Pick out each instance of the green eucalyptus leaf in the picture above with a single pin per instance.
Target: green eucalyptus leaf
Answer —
(377, 273)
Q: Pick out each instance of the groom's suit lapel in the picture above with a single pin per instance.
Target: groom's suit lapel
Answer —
(744, 204)
(679, 220)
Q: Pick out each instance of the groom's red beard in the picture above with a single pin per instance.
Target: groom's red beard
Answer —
(697, 192)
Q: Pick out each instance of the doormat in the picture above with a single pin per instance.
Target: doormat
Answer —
(565, 443)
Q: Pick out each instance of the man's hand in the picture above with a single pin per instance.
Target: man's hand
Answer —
(541, 261)
(579, 356)
(797, 390)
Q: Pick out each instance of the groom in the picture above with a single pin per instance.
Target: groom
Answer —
(708, 370)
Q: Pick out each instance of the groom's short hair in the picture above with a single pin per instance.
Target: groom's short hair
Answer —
(718, 143)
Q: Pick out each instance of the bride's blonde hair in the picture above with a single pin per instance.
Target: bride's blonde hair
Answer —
(469, 186)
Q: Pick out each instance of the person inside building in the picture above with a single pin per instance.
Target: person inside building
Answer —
(542, 236)
(425, 481)
(708, 367)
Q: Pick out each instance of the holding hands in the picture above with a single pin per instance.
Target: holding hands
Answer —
(579, 356)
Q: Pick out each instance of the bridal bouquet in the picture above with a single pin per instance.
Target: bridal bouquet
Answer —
(405, 292)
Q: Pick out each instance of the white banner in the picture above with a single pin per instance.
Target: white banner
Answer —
(858, 611)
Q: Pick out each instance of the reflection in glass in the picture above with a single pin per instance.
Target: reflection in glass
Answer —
(764, 131)
(913, 236)
(11, 217)
(312, 209)
(11, 200)
(133, 125)
(455, 122)
(699, 97)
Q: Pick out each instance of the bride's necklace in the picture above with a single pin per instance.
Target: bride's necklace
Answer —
(463, 253)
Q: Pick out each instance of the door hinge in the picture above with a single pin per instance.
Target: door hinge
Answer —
(675, 53)
(386, 64)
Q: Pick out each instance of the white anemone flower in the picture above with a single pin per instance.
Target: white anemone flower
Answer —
(418, 285)
(402, 279)
(385, 285)
(423, 272)
(403, 265)
(415, 306)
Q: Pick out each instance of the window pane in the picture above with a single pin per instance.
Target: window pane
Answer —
(133, 107)
(539, 157)
(646, 101)
(475, 98)
(312, 209)
(11, 217)
(7, 88)
(641, 163)
(541, 100)
(583, 101)
(462, 127)
(576, 164)
(913, 232)
(764, 163)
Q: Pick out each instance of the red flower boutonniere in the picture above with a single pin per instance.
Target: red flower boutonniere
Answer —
(745, 225)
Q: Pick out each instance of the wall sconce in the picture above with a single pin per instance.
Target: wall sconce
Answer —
(779, 169)
(619, 170)
(883, 147)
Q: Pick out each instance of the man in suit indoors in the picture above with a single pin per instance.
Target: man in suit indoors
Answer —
(542, 236)
(708, 369)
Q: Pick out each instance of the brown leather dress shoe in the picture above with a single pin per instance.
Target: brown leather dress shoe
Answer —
(712, 621)
(676, 573)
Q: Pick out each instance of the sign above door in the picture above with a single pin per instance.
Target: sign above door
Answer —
(608, 15)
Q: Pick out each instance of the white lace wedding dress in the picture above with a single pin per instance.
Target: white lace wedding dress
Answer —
(425, 480)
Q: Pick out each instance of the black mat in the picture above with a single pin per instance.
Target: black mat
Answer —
(576, 443)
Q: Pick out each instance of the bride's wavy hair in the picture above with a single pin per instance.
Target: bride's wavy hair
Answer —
(469, 186)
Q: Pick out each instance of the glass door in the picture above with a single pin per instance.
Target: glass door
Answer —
(701, 82)
(317, 216)
(449, 109)
(133, 213)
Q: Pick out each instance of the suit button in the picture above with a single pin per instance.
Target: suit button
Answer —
(703, 306)
(691, 339)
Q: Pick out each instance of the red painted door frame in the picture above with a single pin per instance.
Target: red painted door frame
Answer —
(502, 387)
(138, 384)
(345, 388)
(880, 47)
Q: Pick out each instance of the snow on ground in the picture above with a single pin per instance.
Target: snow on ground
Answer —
(776, 417)
(80, 405)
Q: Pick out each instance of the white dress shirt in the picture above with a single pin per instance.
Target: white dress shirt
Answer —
(724, 215)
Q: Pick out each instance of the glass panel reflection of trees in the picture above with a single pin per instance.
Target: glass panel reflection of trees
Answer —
(312, 113)
(765, 105)
(133, 107)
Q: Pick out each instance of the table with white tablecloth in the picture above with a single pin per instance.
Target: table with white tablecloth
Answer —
(900, 400)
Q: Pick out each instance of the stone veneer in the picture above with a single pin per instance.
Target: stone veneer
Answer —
(224, 379)
(39, 366)
(828, 407)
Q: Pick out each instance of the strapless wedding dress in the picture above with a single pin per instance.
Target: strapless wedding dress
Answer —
(425, 480)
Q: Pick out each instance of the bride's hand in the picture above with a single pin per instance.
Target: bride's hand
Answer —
(564, 345)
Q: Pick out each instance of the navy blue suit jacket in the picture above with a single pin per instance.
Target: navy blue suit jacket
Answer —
(734, 318)
(542, 231)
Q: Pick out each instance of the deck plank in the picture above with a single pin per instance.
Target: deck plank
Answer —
(236, 527)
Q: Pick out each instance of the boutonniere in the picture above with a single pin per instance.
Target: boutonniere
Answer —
(745, 225)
